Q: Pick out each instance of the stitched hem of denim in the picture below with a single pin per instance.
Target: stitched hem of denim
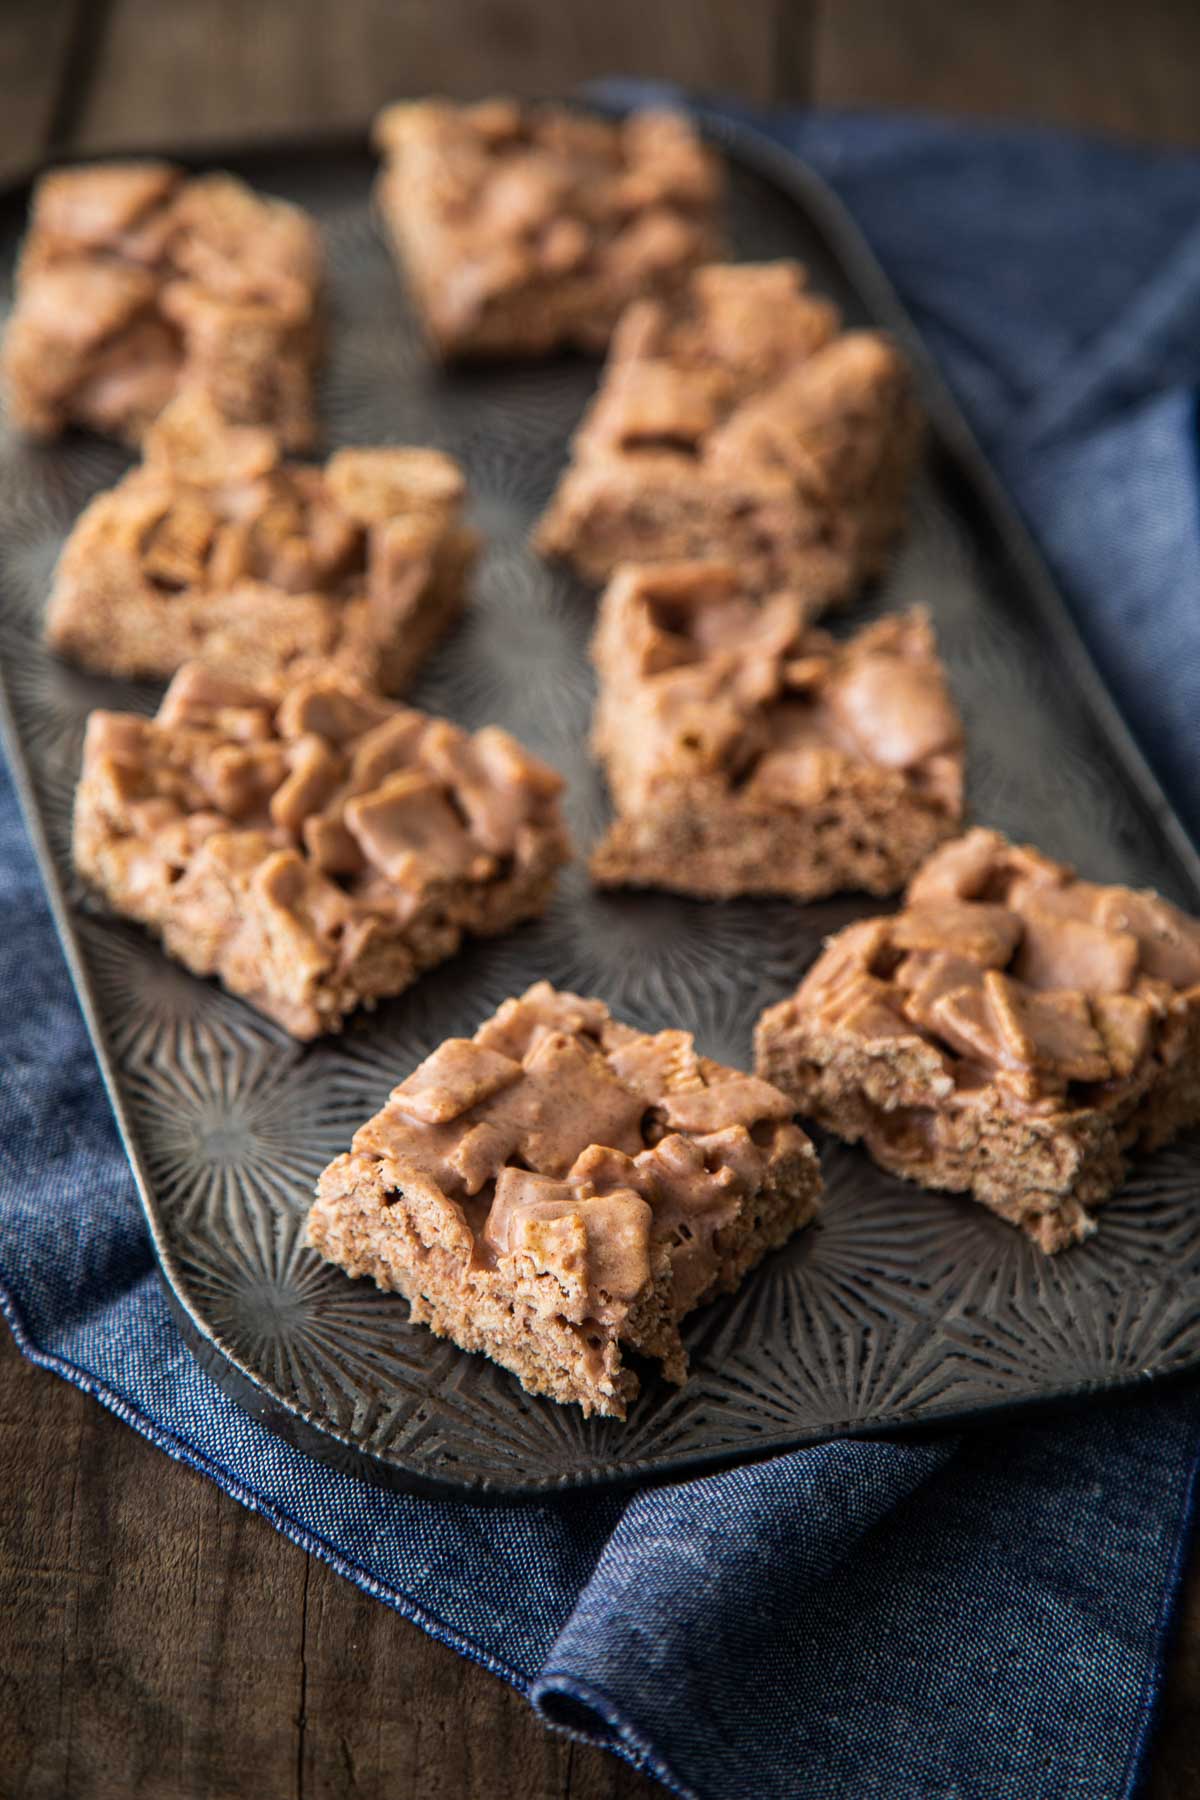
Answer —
(1153, 1690)
(557, 1698)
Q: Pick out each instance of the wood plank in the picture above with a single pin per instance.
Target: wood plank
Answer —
(158, 1625)
(220, 69)
(40, 1430)
(35, 40)
(1107, 66)
(161, 1643)
(1175, 1760)
(797, 23)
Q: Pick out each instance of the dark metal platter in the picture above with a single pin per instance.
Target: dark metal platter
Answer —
(901, 1308)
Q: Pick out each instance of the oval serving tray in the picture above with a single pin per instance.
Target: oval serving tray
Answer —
(901, 1309)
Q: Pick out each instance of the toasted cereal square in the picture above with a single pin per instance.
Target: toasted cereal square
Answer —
(138, 282)
(316, 853)
(526, 229)
(561, 1189)
(1012, 1033)
(218, 548)
(747, 752)
(740, 422)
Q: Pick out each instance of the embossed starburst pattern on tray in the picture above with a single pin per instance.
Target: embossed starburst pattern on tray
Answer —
(900, 1308)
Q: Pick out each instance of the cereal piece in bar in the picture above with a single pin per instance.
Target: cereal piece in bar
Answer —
(1013, 1033)
(561, 1189)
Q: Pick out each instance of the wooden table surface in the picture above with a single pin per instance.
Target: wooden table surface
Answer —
(158, 1640)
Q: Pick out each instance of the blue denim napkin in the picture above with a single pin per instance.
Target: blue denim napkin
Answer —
(974, 1616)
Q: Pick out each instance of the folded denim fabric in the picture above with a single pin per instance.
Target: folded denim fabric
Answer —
(979, 1615)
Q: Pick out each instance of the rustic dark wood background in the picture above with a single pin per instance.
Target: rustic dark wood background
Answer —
(155, 1639)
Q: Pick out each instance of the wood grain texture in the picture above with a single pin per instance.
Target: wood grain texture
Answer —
(156, 1640)
(35, 42)
(287, 65)
(1174, 1772)
(1108, 66)
(161, 1643)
